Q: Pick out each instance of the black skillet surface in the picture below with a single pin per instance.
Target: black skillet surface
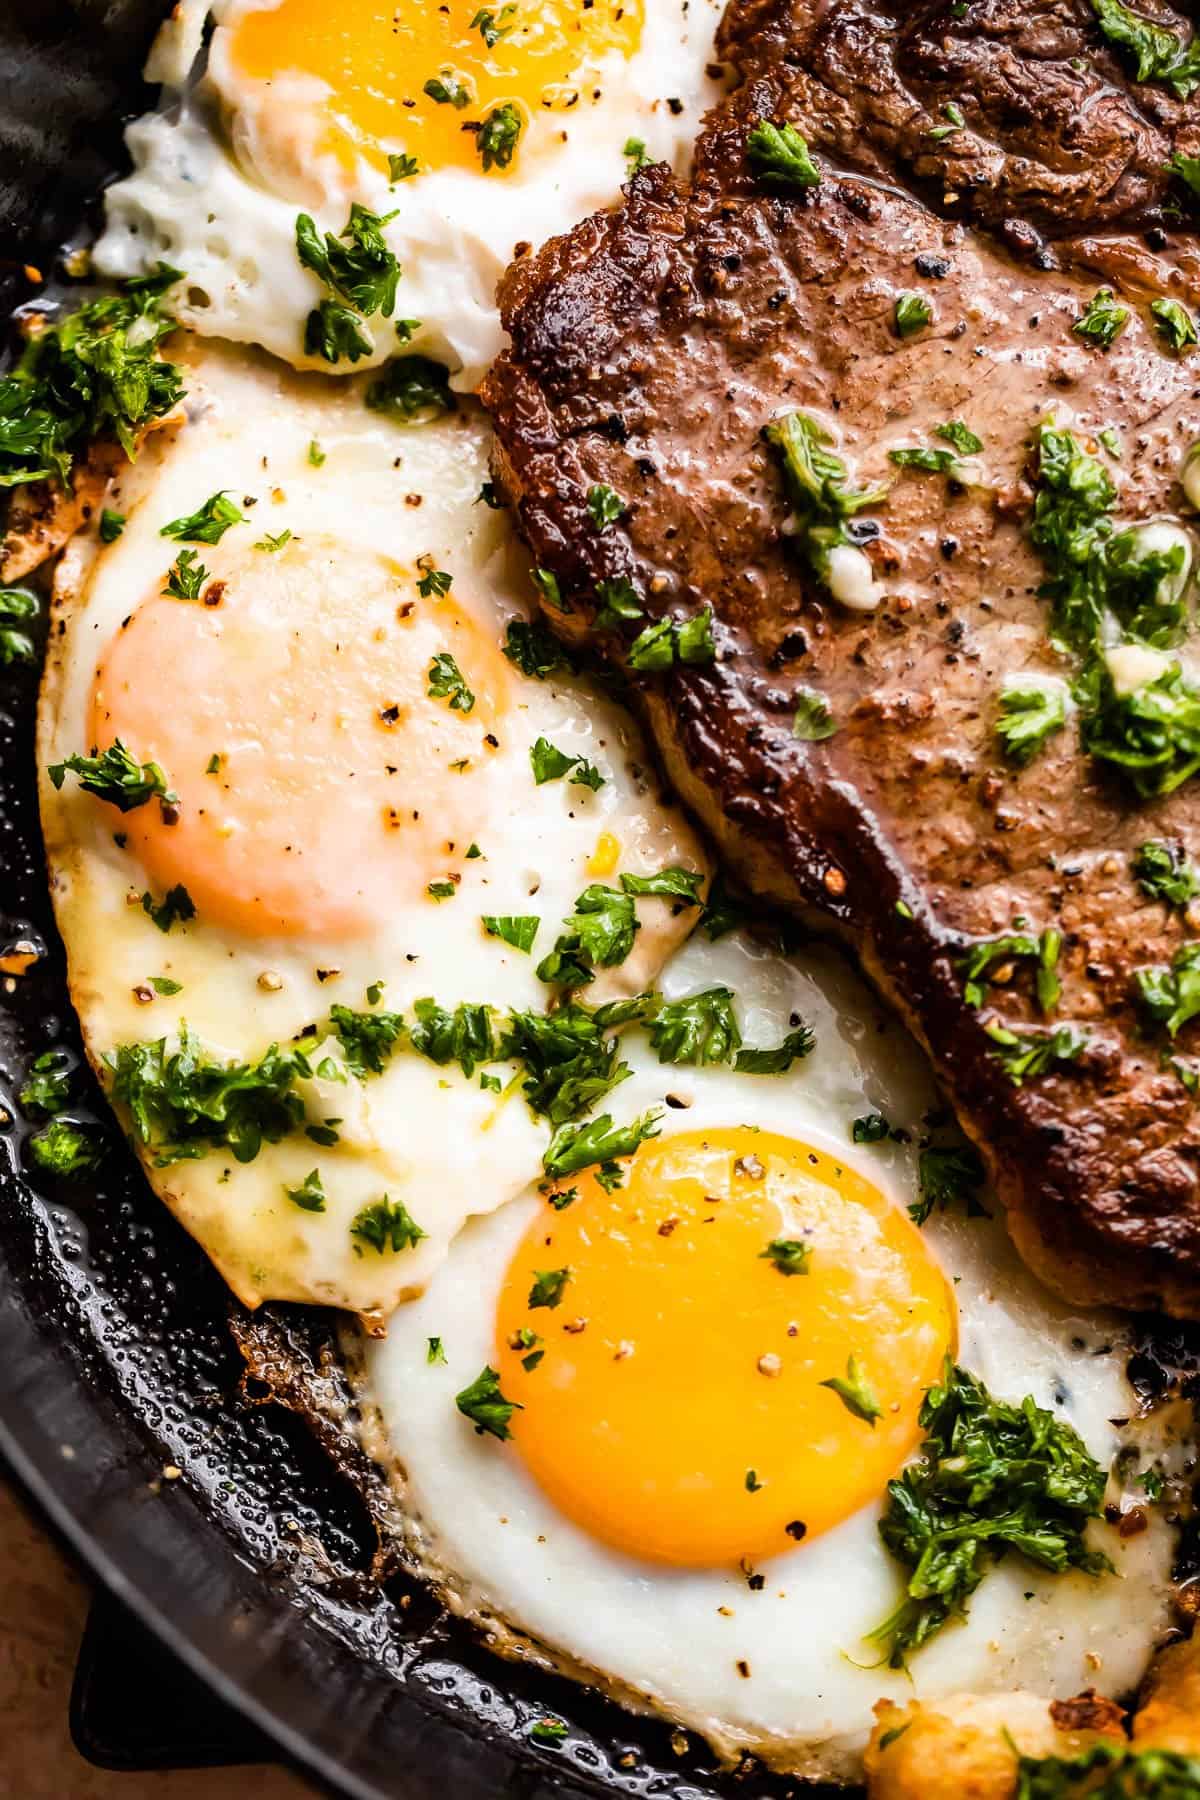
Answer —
(251, 1559)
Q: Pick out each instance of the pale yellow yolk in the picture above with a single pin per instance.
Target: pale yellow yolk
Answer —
(376, 60)
(319, 780)
(677, 1409)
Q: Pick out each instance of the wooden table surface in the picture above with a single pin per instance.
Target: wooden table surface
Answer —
(43, 1605)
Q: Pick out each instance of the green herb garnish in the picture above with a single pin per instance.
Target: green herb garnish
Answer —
(446, 682)
(310, 1195)
(856, 1393)
(791, 1256)
(518, 929)
(386, 1225)
(991, 1478)
(1103, 321)
(208, 524)
(116, 777)
(778, 156)
(486, 1407)
(912, 314)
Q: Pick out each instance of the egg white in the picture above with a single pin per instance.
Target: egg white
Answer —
(418, 1132)
(207, 196)
(673, 1640)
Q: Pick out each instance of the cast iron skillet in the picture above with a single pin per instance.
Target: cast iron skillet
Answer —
(115, 1354)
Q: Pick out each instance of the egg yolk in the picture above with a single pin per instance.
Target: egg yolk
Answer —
(319, 779)
(675, 1380)
(376, 62)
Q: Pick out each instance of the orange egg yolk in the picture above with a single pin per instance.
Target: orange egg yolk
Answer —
(678, 1408)
(319, 780)
(376, 60)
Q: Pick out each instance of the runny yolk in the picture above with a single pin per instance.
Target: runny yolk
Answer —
(677, 1410)
(375, 61)
(319, 780)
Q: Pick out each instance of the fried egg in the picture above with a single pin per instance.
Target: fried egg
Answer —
(476, 133)
(686, 1513)
(355, 817)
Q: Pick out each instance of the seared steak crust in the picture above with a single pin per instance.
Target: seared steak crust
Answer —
(649, 349)
(1056, 140)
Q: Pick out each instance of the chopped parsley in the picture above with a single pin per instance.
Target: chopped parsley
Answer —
(434, 1352)
(605, 506)
(186, 577)
(274, 541)
(360, 271)
(175, 907)
(1023, 1054)
(598, 935)
(695, 1031)
(778, 1060)
(111, 525)
(432, 584)
(1187, 168)
(812, 721)
(386, 1225)
(367, 1038)
(961, 436)
(791, 1256)
(1155, 53)
(722, 913)
(446, 682)
(1172, 320)
(1171, 996)
(116, 777)
(1029, 714)
(412, 390)
(493, 26)
(162, 984)
(17, 605)
(550, 764)
(569, 1063)
(486, 1407)
(496, 139)
(316, 456)
(48, 1085)
(548, 1287)
(1103, 321)
(575, 1147)
(778, 156)
(1153, 733)
(948, 1175)
(208, 524)
(1132, 1774)
(535, 651)
(402, 167)
(872, 1128)
(185, 1102)
(464, 1036)
(818, 487)
(911, 315)
(64, 1148)
(310, 1195)
(619, 601)
(518, 929)
(953, 114)
(635, 154)
(669, 884)
(753, 1484)
(95, 374)
(547, 1731)
(1164, 872)
(856, 1393)
(978, 966)
(991, 1478)
(674, 640)
(447, 90)
(546, 583)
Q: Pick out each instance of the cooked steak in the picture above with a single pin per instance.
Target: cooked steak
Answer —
(1018, 112)
(650, 349)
